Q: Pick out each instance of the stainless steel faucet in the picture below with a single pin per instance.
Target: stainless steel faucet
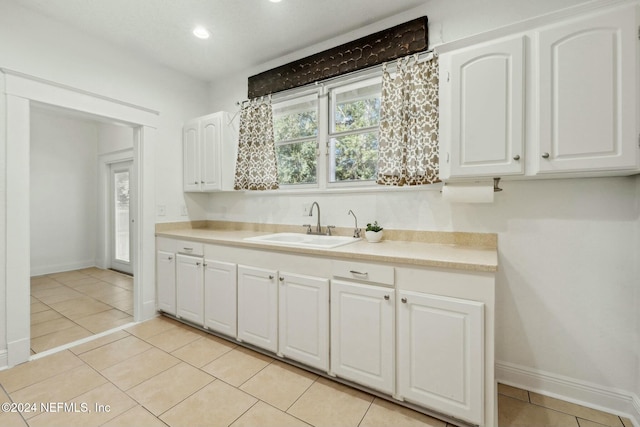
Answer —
(318, 227)
(356, 230)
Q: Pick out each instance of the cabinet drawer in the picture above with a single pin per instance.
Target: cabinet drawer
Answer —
(372, 273)
(190, 248)
(166, 245)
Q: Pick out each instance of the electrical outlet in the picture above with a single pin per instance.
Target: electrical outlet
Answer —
(305, 210)
(161, 210)
(183, 210)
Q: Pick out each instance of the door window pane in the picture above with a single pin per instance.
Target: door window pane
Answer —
(121, 186)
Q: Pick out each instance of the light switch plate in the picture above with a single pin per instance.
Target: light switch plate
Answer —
(161, 210)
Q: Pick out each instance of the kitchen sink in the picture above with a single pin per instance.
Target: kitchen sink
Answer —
(303, 240)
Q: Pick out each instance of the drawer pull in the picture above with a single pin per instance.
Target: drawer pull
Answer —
(386, 297)
(404, 300)
(170, 258)
(270, 277)
(359, 273)
(188, 249)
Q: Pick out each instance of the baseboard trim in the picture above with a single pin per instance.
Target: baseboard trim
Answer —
(59, 268)
(4, 360)
(616, 401)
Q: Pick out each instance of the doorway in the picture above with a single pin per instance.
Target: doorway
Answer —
(121, 216)
(17, 92)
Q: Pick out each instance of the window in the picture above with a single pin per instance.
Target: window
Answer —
(329, 137)
(353, 134)
(295, 128)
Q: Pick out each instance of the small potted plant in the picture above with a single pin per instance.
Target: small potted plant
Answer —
(373, 233)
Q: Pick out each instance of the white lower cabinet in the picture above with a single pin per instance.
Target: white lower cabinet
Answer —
(258, 307)
(304, 319)
(220, 298)
(410, 333)
(189, 289)
(362, 334)
(441, 354)
(166, 281)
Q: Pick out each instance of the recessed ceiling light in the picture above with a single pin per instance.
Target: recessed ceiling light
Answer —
(275, 1)
(201, 33)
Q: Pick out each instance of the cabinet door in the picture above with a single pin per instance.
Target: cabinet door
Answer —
(483, 132)
(258, 307)
(441, 354)
(190, 164)
(210, 140)
(220, 297)
(304, 319)
(587, 93)
(189, 289)
(166, 281)
(362, 334)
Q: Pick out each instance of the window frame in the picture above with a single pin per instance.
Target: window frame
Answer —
(293, 99)
(322, 91)
(337, 88)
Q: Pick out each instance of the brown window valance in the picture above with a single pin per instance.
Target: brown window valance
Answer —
(402, 40)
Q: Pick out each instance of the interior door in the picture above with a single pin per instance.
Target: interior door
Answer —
(120, 219)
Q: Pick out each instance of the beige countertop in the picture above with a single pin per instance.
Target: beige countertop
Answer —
(419, 252)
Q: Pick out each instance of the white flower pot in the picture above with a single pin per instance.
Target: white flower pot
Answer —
(373, 236)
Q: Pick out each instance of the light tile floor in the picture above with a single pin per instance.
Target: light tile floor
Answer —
(68, 306)
(161, 373)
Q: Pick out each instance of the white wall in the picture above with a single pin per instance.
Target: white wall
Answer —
(114, 138)
(63, 178)
(35, 45)
(448, 21)
(567, 286)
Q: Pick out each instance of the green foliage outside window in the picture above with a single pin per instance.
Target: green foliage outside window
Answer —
(297, 163)
(356, 157)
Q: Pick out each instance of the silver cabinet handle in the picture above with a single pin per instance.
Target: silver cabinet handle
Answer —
(188, 249)
(359, 273)
(281, 279)
(271, 277)
(198, 264)
(404, 300)
(545, 155)
(516, 157)
(170, 258)
(195, 182)
(386, 297)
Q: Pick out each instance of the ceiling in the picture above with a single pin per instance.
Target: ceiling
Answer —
(245, 33)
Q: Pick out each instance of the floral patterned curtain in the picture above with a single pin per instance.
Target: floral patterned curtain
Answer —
(408, 139)
(256, 167)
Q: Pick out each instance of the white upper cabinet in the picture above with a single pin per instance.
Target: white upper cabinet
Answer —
(558, 100)
(210, 146)
(190, 153)
(587, 85)
(482, 109)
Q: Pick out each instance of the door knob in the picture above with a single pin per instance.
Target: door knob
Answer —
(545, 155)
(516, 157)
